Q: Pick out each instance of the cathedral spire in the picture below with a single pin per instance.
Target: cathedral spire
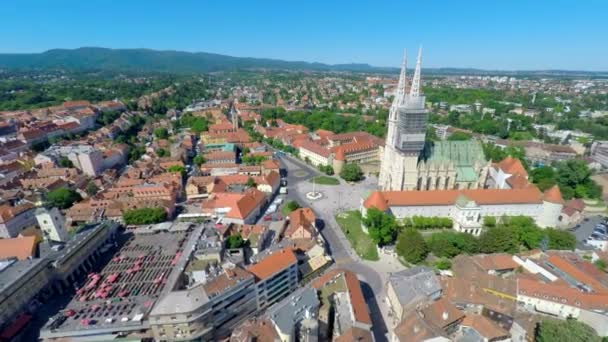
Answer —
(415, 90)
(402, 79)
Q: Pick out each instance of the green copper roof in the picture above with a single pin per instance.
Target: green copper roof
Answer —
(465, 174)
(227, 147)
(461, 153)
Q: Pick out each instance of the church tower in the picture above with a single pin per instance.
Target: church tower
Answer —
(406, 134)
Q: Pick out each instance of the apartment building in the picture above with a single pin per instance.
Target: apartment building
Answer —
(276, 276)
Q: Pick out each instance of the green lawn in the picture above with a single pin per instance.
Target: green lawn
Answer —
(325, 180)
(350, 223)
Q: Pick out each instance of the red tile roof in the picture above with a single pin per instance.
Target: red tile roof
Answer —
(272, 264)
(485, 327)
(562, 294)
(575, 272)
(512, 166)
(553, 195)
(315, 148)
(448, 197)
(20, 247)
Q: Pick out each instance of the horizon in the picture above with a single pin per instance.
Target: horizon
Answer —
(516, 36)
(410, 65)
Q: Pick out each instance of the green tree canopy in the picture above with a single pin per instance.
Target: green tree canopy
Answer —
(62, 198)
(65, 162)
(91, 188)
(411, 246)
(144, 216)
(161, 152)
(381, 226)
(198, 160)
(235, 241)
(351, 172)
(292, 205)
(161, 133)
(569, 330)
(499, 239)
(459, 135)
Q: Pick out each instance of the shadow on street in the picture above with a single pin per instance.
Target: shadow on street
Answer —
(379, 327)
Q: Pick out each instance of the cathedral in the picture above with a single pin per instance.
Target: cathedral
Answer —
(409, 162)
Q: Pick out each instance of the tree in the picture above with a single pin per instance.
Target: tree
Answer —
(560, 239)
(161, 133)
(198, 160)
(176, 168)
(235, 241)
(65, 162)
(441, 246)
(574, 179)
(291, 206)
(62, 198)
(499, 239)
(411, 246)
(144, 216)
(250, 182)
(459, 135)
(543, 177)
(443, 264)
(569, 330)
(351, 172)
(91, 188)
(161, 152)
(381, 226)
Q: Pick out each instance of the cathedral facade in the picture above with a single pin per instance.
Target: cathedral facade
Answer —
(409, 162)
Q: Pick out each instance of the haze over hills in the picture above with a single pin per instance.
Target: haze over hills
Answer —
(147, 60)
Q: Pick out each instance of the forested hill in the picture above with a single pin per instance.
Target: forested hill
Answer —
(145, 60)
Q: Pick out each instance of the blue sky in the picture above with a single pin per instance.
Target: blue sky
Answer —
(515, 34)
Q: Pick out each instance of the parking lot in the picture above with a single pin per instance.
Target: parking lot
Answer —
(127, 287)
(584, 230)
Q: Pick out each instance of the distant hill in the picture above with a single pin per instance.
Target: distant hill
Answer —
(146, 60)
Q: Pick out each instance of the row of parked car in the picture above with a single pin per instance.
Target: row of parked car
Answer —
(599, 236)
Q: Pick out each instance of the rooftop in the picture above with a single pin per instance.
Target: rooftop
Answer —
(414, 283)
(273, 264)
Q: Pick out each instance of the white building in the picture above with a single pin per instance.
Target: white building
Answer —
(52, 224)
(467, 208)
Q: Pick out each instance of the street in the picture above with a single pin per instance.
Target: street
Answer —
(336, 199)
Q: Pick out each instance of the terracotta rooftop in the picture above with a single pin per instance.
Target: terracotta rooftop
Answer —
(562, 294)
(354, 334)
(495, 262)
(358, 302)
(574, 271)
(273, 264)
(485, 327)
(553, 195)
(7, 212)
(315, 148)
(447, 197)
(442, 313)
(20, 247)
(512, 166)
